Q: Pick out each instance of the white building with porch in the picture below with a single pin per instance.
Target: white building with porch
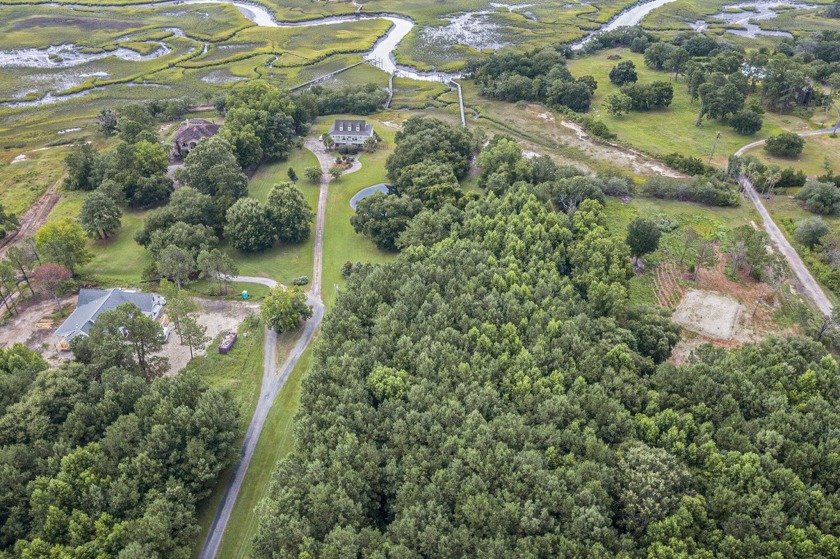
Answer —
(350, 132)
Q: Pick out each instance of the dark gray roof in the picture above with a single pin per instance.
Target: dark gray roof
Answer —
(194, 130)
(92, 302)
(351, 126)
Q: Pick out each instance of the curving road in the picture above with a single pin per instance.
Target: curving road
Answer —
(273, 377)
(809, 285)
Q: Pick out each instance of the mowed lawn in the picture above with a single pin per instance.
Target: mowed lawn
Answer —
(821, 153)
(276, 442)
(341, 242)
(283, 262)
(119, 260)
(672, 129)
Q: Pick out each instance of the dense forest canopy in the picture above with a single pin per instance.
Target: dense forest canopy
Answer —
(495, 395)
(96, 462)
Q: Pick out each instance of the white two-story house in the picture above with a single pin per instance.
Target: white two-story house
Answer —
(350, 132)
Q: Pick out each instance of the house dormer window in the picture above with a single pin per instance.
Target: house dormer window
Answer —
(341, 127)
(357, 127)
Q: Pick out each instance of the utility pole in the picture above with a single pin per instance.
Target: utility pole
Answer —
(714, 146)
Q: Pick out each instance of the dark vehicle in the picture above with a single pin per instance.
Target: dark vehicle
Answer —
(227, 342)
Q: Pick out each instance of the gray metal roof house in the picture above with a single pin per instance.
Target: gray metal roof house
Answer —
(344, 132)
(93, 302)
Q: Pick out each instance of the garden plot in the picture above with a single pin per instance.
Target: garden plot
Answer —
(709, 314)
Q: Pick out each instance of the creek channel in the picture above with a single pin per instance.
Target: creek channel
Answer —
(382, 54)
(747, 13)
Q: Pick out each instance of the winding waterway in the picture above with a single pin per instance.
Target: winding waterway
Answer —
(382, 54)
(627, 18)
(749, 14)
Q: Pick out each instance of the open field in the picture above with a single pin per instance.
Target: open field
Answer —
(25, 176)
(672, 129)
(821, 153)
(542, 131)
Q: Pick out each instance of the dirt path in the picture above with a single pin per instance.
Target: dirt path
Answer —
(809, 285)
(273, 377)
(33, 219)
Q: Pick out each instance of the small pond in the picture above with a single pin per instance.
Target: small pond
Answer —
(365, 192)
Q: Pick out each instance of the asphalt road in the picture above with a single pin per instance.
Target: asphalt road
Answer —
(808, 284)
(273, 377)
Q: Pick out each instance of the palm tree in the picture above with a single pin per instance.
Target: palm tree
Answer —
(370, 144)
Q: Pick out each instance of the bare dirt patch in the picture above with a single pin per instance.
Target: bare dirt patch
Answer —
(218, 316)
(34, 326)
(756, 300)
(707, 313)
(85, 24)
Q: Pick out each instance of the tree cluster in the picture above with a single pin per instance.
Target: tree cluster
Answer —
(356, 99)
(766, 178)
(133, 173)
(286, 216)
(97, 462)
(702, 189)
(262, 122)
(820, 197)
(539, 75)
(212, 169)
(161, 110)
(819, 247)
(634, 38)
(496, 395)
(283, 309)
(786, 144)
(648, 96)
(23, 270)
(429, 159)
(8, 222)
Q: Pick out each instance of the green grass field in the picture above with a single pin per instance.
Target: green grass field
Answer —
(276, 442)
(672, 129)
(283, 262)
(821, 153)
(25, 180)
(239, 373)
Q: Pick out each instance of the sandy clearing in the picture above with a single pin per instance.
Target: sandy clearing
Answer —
(218, 316)
(707, 313)
(22, 329)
